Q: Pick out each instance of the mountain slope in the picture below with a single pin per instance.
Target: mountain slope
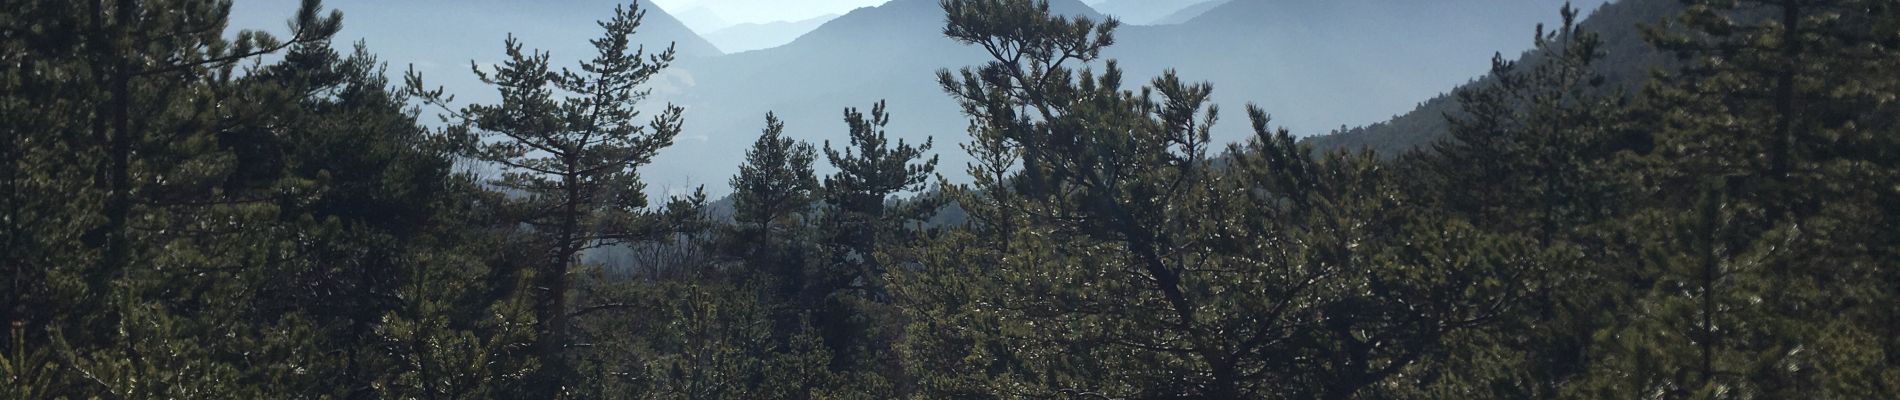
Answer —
(1185, 14)
(1143, 12)
(1317, 65)
(660, 27)
(702, 19)
(1314, 65)
(889, 52)
(1626, 64)
(750, 36)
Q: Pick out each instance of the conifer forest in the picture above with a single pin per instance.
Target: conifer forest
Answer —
(1701, 202)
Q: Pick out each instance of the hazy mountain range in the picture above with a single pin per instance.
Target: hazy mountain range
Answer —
(701, 19)
(1188, 13)
(1146, 12)
(1316, 65)
(757, 36)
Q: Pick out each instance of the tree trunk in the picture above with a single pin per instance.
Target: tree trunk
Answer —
(112, 128)
(1710, 273)
(1782, 149)
(555, 282)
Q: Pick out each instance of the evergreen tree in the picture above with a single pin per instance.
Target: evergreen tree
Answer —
(700, 338)
(776, 183)
(46, 195)
(1127, 264)
(572, 161)
(864, 234)
(147, 57)
(183, 218)
(1759, 221)
(772, 196)
(861, 221)
(158, 226)
(1530, 154)
(383, 223)
(1524, 152)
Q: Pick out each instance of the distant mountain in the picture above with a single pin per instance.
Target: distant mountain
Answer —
(1189, 13)
(1627, 63)
(1144, 12)
(753, 36)
(920, 21)
(703, 19)
(1318, 65)
(889, 52)
(1315, 65)
(660, 27)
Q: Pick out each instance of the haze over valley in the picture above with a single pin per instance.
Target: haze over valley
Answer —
(1315, 65)
(950, 199)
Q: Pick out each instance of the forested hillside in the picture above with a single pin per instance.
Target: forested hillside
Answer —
(193, 211)
(1316, 64)
(1626, 64)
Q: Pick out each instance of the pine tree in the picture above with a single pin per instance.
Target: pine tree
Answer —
(1764, 183)
(772, 196)
(1530, 154)
(47, 201)
(1122, 261)
(863, 235)
(142, 91)
(387, 248)
(145, 54)
(697, 338)
(572, 160)
(861, 222)
(776, 182)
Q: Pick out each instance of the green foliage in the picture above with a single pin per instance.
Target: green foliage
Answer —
(694, 340)
(568, 144)
(1135, 266)
(773, 198)
(776, 185)
(863, 235)
(220, 240)
(861, 222)
(1532, 156)
(1625, 63)
(1758, 219)
(180, 219)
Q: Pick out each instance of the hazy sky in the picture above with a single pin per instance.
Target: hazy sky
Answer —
(738, 11)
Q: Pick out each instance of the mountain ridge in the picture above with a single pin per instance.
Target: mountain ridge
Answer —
(1189, 13)
(1264, 52)
(1305, 62)
(751, 36)
(1144, 12)
(1626, 64)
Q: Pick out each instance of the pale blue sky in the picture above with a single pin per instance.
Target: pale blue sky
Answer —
(739, 11)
